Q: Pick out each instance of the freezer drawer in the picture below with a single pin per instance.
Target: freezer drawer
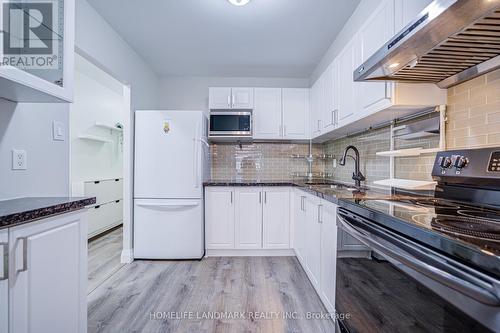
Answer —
(168, 229)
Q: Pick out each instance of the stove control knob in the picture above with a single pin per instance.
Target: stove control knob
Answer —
(446, 162)
(461, 162)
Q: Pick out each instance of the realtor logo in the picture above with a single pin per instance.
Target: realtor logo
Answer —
(31, 36)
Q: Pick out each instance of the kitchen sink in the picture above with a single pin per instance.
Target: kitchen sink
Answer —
(332, 185)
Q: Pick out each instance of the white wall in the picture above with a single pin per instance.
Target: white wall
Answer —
(28, 127)
(362, 12)
(191, 93)
(98, 42)
(98, 98)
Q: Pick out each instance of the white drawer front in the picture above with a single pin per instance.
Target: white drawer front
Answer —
(103, 217)
(104, 190)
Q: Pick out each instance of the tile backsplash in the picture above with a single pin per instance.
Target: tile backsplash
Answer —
(474, 113)
(272, 161)
(265, 161)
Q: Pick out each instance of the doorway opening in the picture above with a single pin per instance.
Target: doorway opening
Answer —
(98, 124)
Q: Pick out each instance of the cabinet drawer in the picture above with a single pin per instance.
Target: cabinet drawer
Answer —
(102, 217)
(104, 190)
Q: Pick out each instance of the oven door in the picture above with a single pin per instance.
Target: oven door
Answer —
(229, 123)
(406, 287)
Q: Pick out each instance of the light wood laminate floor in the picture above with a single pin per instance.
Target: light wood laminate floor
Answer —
(141, 297)
(104, 257)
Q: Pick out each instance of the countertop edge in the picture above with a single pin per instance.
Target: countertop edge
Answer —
(36, 214)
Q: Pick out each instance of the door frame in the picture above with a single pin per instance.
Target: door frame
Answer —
(128, 168)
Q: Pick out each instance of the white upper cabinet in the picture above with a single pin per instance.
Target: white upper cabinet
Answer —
(276, 218)
(407, 10)
(248, 222)
(219, 98)
(49, 69)
(346, 63)
(267, 114)
(329, 107)
(230, 98)
(315, 107)
(242, 98)
(295, 113)
(372, 36)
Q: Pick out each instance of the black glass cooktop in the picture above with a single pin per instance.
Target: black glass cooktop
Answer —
(472, 225)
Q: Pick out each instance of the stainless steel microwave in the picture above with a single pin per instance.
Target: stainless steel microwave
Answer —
(230, 124)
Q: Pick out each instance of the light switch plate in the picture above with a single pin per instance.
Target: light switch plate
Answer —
(19, 159)
(57, 130)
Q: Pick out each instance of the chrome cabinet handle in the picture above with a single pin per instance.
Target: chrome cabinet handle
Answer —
(482, 289)
(319, 125)
(260, 197)
(232, 100)
(231, 197)
(265, 197)
(5, 261)
(25, 254)
(228, 101)
(336, 117)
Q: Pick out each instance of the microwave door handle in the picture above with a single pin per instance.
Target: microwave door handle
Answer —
(463, 286)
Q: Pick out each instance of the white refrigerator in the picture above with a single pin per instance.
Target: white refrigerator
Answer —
(171, 163)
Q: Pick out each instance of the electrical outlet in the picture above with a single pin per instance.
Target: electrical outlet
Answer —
(19, 159)
(57, 130)
(334, 163)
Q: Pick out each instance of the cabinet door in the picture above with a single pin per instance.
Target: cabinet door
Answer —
(276, 218)
(407, 11)
(248, 222)
(299, 211)
(315, 111)
(313, 240)
(328, 217)
(345, 88)
(219, 98)
(219, 217)
(328, 107)
(242, 98)
(48, 273)
(267, 114)
(295, 113)
(378, 29)
(4, 281)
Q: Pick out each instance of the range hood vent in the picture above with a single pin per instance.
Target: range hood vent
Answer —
(451, 41)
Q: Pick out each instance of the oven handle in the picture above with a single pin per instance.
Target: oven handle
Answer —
(465, 287)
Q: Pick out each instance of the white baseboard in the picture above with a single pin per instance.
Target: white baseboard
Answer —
(127, 256)
(249, 253)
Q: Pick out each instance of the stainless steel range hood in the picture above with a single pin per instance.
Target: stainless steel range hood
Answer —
(450, 41)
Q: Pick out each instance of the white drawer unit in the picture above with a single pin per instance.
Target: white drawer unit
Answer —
(104, 190)
(105, 216)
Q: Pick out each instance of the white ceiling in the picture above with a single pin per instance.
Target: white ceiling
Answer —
(271, 38)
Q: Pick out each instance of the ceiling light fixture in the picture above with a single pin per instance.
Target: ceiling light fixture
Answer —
(239, 2)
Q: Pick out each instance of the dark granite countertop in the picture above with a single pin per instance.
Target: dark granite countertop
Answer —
(24, 210)
(325, 189)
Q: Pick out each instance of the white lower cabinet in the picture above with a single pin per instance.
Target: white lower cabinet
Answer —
(248, 222)
(247, 218)
(313, 239)
(299, 225)
(328, 212)
(276, 218)
(48, 275)
(315, 243)
(219, 218)
(4, 281)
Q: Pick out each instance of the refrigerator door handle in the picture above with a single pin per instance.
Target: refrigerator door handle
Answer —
(169, 205)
